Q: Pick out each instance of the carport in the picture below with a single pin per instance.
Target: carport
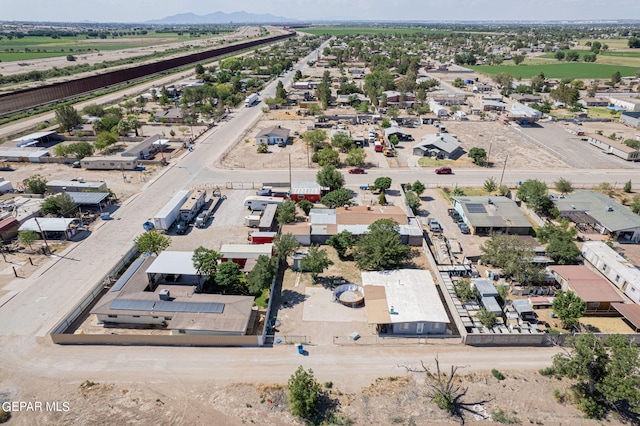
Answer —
(51, 227)
(90, 200)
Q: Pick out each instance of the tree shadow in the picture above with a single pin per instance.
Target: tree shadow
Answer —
(290, 298)
(330, 282)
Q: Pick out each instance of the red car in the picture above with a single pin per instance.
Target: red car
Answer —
(357, 171)
(444, 171)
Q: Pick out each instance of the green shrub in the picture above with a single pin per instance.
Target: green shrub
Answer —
(5, 416)
(558, 396)
(500, 417)
(497, 374)
(549, 371)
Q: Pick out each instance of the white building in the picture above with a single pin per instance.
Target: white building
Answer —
(622, 273)
(626, 102)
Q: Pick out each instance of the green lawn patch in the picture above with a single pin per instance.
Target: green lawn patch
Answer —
(433, 162)
(603, 113)
(263, 300)
(25, 56)
(561, 70)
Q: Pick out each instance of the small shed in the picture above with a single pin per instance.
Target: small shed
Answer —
(9, 228)
(484, 287)
(491, 305)
(524, 309)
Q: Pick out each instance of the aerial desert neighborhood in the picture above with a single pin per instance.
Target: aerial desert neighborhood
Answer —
(320, 213)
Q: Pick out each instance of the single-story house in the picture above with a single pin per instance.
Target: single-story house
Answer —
(156, 291)
(447, 99)
(273, 135)
(605, 215)
(51, 227)
(144, 149)
(437, 109)
(589, 286)
(490, 105)
(621, 272)
(522, 113)
(594, 102)
(402, 100)
(525, 97)
(404, 301)
(171, 115)
(481, 88)
(488, 215)
(75, 185)
(111, 162)
(614, 147)
(439, 145)
(626, 102)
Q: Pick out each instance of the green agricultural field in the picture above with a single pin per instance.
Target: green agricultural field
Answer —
(561, 70)
(34, 47)
(23, 56)
(339, 31)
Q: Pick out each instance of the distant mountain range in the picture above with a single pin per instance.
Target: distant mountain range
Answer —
(221, 18)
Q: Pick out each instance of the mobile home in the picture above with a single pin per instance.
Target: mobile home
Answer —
(258, 203)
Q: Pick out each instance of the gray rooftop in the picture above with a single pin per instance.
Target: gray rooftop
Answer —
(274, 131)
(84, 198)
(492, 212)
(442, 141)
(603, 209)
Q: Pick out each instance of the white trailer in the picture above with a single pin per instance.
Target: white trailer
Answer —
(256, 202)
(169, 213)
(251, 99)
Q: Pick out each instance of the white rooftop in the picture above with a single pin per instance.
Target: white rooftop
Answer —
(412, 294)
(173, 262)
(613, 260)
(47, 224)
(33, 136)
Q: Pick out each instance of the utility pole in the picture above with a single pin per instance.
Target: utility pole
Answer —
(503, 168)
(46, 244)
(489, 155)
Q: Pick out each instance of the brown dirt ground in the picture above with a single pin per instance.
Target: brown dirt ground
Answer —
(525, 397)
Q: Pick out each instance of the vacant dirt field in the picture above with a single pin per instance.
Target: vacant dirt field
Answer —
(524, 398)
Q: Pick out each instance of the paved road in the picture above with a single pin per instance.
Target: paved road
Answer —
(41, 300)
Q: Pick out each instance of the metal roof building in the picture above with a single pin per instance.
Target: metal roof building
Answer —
(486, 215)
(404, 301)
(600, 211)
(173, 262)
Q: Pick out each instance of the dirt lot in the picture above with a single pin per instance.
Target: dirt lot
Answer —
(527, 398)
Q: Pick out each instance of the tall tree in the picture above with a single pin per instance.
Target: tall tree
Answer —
(343, 141)
(67, 118)
(59, 205)
(228, 275)
(563, 186)
(338, 198)
(513, 256)
(206, 262)
(606, 373)
(27, 237)
(341, 242)
(330, 177)
(151, 242)
(286, 212)
(536, 195)
(381, 184)
(315, 261)
(380, 248)
(569, 308)
(285, 245)
(280, 92)
(36, 184)
(304, 394)
(261, 275)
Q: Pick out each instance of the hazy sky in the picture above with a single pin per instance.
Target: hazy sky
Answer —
(143, 10)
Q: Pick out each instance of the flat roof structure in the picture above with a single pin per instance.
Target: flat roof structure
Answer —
(33, 137)
(47, 224)
(627, 270)
(366, 215)
(401, 296)
(60, 185)
(491, 212)
(88, 198)
(606, 211)
(173, 262)
(485, 287)
(586, 284)
(246, 251)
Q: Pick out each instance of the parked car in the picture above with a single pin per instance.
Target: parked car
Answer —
(444, 170)
(464, 228)
(181, 227)
(357, 171)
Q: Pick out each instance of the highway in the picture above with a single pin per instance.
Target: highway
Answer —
(41, 300)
